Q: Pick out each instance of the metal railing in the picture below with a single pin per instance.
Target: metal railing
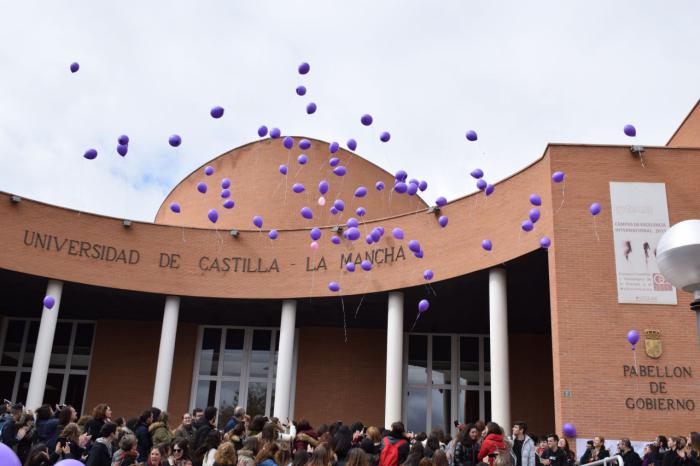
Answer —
(613, 460)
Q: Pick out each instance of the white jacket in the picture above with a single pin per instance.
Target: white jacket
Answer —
(528, 451)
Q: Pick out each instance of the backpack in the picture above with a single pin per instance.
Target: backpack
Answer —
(390, 453)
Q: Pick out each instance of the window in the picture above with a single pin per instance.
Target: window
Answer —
(447, 378)
(68, 366)
(236, 367)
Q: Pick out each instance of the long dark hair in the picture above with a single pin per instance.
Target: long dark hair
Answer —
(342, 441)
(493, 428)
(464, 438)
(301, 457)
(212, 440)
(357, 457)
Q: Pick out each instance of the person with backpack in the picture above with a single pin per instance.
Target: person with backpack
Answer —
(395, 446)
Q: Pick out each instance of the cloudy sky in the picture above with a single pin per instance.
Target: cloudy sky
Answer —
(519, 73)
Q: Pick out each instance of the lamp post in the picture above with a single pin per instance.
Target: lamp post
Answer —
(678, 257)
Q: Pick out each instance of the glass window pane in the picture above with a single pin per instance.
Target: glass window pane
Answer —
(206, 394)
(233, 352)
(442, 408)
(468, 361)
(82, 346)
(228, 400)
(416, 409)
(75, 391)
(468, 406)
(487, 362)
(31, 343)
(442, 357)
(7, 384)
(272, 398)
(23, 388)
(209, 355)
(13, 342)
(61, 340)
(487, 404)
(52, 392)
(260, 356)
(257, 392)
(418, 359)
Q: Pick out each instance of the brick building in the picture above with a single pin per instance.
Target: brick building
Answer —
(183, 313)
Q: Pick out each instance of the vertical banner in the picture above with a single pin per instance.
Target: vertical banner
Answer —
(640, 218)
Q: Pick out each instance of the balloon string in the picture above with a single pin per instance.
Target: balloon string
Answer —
(414, 323)
(562, 195)
(595, 229)
(358, 306)
(345, 326)
(289, 154)
(636, 368)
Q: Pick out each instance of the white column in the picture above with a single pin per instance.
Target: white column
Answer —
(166, 352)
(394, 360)
(498, 339)
(285, 360)
(44, 345)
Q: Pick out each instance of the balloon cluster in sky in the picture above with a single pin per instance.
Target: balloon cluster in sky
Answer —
(351, 231)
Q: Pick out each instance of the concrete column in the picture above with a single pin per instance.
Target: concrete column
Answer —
(44, 345)
(498, 333)
(285, 360)
(394, 360)
(166, 352)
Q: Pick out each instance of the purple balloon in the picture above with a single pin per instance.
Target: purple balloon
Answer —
(633, 337)
(534, 215)
(333, 147)
(74, 67)
(352, 144)
(229, 204)
(122, 149)
(225, 193)
(471, 135)
(283, 169)
(428, 274)
(213, 215)
(481, 184)
(442, 221)
(339, 204)
(301, 90)
(413, 181)
(381, 230)
(477, 173)
(366, 119)
(323, 187)
(49, 302)
(352, 233)
(423, 185)
(379, 185)
(366, 265)
(304, 68)
(315, 234)
(333, 286)
(333, 161)
(175, 207)
(558, 177)
(400, 187)
(423, 305)
(202, 187)
(209, 170)
(225, 183)
(275, 133)
(262, 131)
(311, 108)
(397, 233)
(535, 199)
(175, 140)
(440, 201)
(90, 154)
(334, 211)
(304, 144)
(288, 142)
(569, 429)
(487, 244)
(385, 136)
(258, 221)
(307, 213)
(350, 266)
(414, 245)
(527, 225)
(545, 242)
(376, 235)
(335, 239)
(412, 189)
(217, 112)
(273, 234)
(630, 130)
(489, 189)
(302, 159)
(123, 140)
(595, 208)
(361, 191)
(340, 170)
(298, 188)
(360, 211)
(401, 175)
(352, 222)
(368, 239)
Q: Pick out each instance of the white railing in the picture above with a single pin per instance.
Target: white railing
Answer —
(617, 459)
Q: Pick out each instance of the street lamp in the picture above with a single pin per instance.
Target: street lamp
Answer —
(678, 256)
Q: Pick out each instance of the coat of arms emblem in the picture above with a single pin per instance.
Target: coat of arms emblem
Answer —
(652, 343)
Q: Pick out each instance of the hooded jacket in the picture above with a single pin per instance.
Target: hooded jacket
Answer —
(159, 433)
(492, 444)
(527, 454)
(100, 454)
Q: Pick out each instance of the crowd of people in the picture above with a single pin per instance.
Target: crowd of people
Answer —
(51, 435)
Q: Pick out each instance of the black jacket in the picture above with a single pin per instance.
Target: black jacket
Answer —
(9, 432)
(99, 455)
(670, 458)
(202, 429)
(144, 441)
(631, 458)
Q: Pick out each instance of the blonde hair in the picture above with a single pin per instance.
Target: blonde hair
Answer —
(374, 434)
(225, 454)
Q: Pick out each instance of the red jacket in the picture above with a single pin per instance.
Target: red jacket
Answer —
(492, 443)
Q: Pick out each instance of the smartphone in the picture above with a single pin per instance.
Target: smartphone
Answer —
(456, 423)
(61, 441)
